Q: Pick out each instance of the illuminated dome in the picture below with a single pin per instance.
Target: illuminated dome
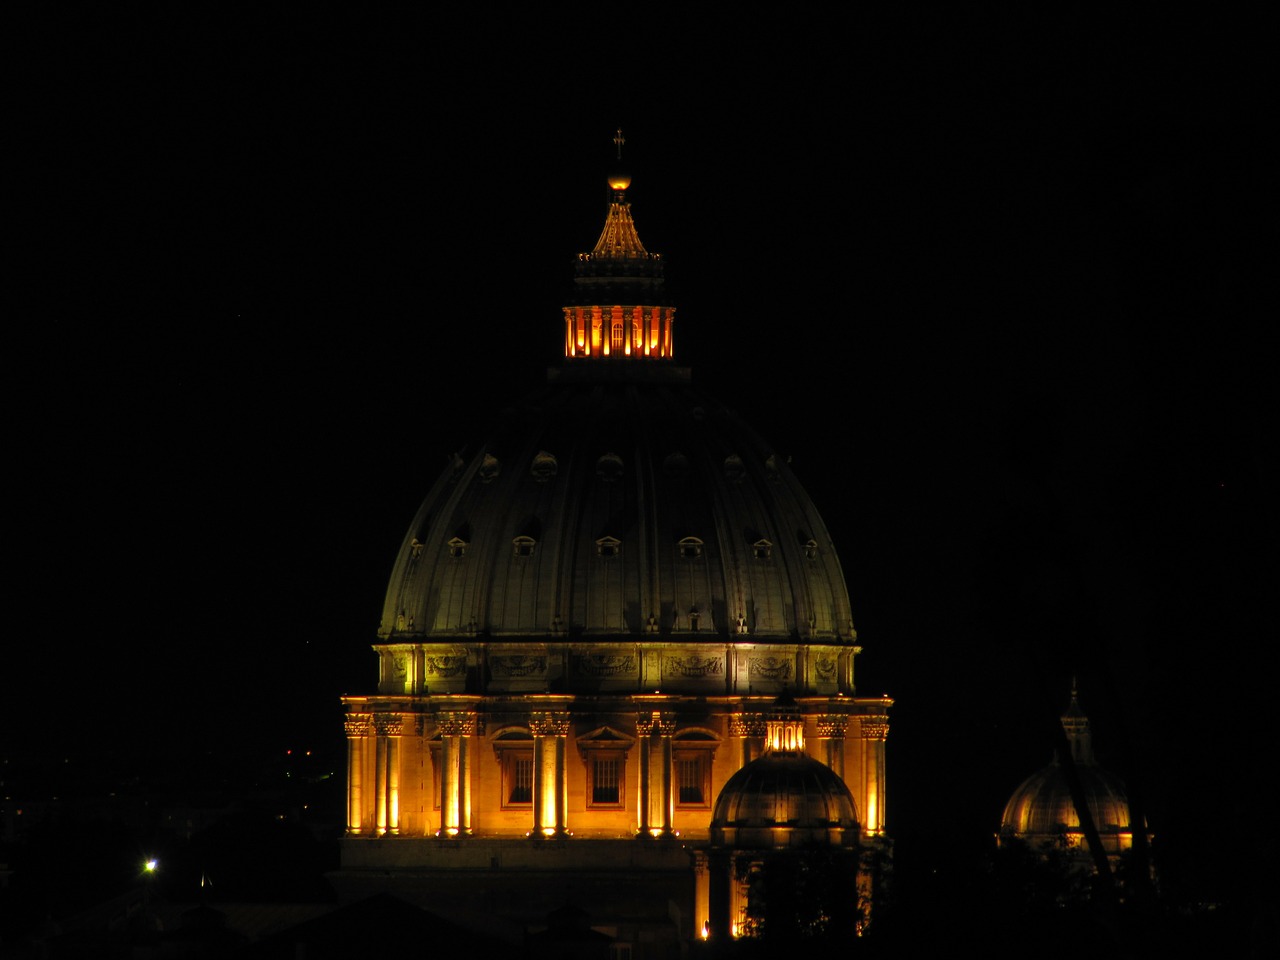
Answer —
(784, 798)
(1041, 811)
(587, 625)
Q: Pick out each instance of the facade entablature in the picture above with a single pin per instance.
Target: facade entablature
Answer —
(710, 669)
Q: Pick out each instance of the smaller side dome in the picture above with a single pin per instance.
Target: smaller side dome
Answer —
(1042, 811)
(784, 798)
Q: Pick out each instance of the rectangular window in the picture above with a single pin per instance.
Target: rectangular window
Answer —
(518, 769)
(692, 769)
(689, 776)
(606, 777)
(606, 782)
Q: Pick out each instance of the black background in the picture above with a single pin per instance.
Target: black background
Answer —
(994, 283)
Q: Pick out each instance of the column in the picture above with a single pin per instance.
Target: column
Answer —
(380, 785)
(357, 727)
(550, 796)
(420, 723)
(387, 727)
(875, 730)
(456, 728)
(701, 896)
(750, 730)
(832, 728)
(644, 734)
(666, 730)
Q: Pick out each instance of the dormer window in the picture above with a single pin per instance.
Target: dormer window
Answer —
(690, 548)
(608, 547)
(523, 546)
(489, 469)
(609, 467)
(544, 467)
(457, 548)
(763, 549)
(811, 550)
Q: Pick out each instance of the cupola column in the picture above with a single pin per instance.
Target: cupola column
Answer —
(357, 727)
(720, 883)
(456, 730)
(550, 796)
(875, 730)
(750, 730)
(387, 727)
(832, 728)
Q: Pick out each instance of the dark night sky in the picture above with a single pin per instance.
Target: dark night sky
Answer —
(1023, 375)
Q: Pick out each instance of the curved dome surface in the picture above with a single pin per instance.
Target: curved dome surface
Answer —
(618, 506)
(784, 799)
(1042, 804)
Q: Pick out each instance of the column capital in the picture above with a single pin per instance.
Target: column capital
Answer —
(875, 728)
(747, 725)
(357, 725)
(664, 723)
(832, 726)
(456, 723)
(549, 724)
(388, 724)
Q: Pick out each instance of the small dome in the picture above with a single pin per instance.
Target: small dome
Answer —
(1042, 805)
(1042, 811)
(784, 799)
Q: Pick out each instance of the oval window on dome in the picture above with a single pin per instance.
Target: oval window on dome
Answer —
(544, 466)
(734, 469)
(489, 469)
(524, 546)
(609, 467)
